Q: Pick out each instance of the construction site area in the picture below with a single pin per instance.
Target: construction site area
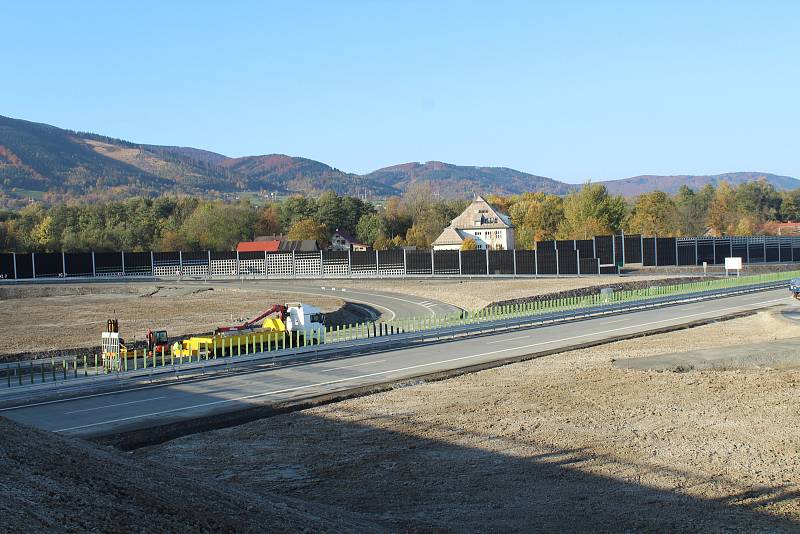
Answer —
(55, 319)
(68, 318)
(688, 429)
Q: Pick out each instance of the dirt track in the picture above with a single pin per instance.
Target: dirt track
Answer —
(566, 442)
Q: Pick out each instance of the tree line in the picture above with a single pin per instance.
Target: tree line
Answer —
(416, 219)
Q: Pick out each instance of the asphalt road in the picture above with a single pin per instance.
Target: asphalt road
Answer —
(390, 305)
(155, 405)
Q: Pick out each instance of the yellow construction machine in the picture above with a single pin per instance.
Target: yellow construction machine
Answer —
(278, 327)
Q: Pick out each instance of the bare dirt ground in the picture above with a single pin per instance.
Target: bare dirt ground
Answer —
(43, 318)
(564, 442)
(54, 484)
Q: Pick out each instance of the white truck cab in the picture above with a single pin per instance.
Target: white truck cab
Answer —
(304, 319)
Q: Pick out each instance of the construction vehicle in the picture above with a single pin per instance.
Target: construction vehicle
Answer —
(113, 347)
(157, 342)
(794, 287)
(279, 326)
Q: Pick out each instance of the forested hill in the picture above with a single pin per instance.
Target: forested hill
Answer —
(462, 181)
(38, 160)
(46, 163)
(671, 184)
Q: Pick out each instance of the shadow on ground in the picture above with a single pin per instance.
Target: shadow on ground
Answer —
(462, 481)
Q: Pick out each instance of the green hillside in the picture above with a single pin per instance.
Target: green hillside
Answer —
(459, 181)
(39, 157)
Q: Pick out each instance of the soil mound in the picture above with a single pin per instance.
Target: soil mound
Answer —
(56, 484)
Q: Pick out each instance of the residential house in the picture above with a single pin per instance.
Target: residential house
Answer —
(300, 245)
(343, 240)
(490, 229)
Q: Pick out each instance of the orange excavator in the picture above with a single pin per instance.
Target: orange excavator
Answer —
(157, 342)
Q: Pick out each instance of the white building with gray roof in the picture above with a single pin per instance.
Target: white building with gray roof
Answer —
(490, 229)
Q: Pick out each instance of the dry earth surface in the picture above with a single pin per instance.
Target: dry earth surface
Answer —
(54, 484)
(43, 318)
(564, 442)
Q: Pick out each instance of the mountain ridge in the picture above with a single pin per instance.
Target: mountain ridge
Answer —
(645, 183)
(40, 159)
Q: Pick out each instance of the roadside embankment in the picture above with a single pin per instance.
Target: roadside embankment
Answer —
(566, 441)
(56, 484)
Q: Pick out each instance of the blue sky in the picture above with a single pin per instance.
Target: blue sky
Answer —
(571, 90)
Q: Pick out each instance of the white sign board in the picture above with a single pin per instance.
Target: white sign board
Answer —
(733, 264)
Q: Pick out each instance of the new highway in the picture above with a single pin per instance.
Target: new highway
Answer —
(95, 415)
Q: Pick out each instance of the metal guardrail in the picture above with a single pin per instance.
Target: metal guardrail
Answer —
(468, 327)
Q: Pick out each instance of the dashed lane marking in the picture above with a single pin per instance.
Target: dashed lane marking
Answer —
(103, 407)
(390, 371)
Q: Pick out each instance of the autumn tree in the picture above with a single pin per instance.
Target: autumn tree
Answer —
(418, 237)
(267, 222)
(536, 217)
(296, 208)
(692, 208)
(723, 215)
(217, 226)
(309, 229)
(469, 244)
(758, 200)
(653, 214)
(591, 211)
(790, 205)
(382, 243)
(370, 228)
(500, 203)
(397, 219)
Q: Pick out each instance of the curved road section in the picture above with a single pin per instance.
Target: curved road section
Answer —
(102, 414)
(391, 305)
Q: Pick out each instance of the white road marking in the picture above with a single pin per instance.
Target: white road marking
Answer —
(387, 297)
(114, 405)
(382, 373)
(507, 340)
(349, 366)
(618, 320)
